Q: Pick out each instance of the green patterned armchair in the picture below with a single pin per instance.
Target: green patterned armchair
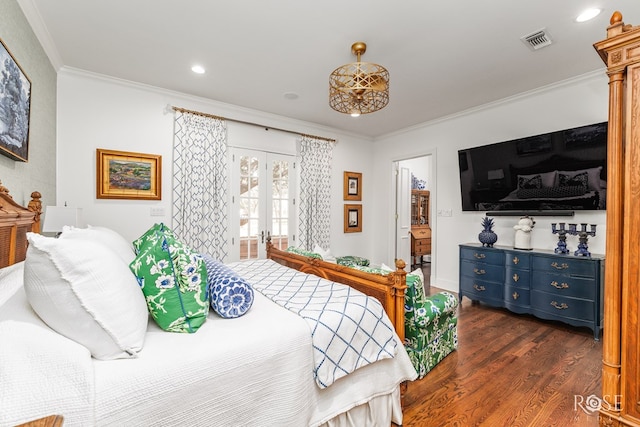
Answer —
(431, 325)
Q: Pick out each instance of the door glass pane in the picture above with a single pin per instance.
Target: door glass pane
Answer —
(248, 202)
(280, 204)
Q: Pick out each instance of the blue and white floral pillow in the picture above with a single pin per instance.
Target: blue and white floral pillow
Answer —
(230, 295)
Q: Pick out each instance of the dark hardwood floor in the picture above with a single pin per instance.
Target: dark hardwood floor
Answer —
(509, 370)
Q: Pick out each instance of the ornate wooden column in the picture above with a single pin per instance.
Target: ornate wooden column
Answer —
(621, 53)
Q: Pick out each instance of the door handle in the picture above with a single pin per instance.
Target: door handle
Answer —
(262, 235)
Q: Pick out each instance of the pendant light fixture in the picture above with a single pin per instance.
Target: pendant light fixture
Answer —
(359, 87)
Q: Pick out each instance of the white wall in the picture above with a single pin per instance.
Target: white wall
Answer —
(577, 102)
(38, 174)
(99, 112)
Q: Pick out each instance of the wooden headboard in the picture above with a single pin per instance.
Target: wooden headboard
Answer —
(15, 222)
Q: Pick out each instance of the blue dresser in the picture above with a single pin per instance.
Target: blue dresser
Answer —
(550, 286)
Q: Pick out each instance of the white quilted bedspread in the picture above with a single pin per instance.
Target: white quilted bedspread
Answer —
(349, 329)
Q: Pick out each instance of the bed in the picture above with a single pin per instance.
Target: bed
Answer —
(256, 369)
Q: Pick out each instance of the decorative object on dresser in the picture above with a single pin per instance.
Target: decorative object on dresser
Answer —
(583, 236)
(550, 286)
(420, 225)
(125, 175)
(523, 233)
(562, 238)
(621, 342)
(487, 236)
(15, 100)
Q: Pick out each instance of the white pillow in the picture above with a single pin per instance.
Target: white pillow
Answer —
(106, 236)
(326, 255)
(84, 291)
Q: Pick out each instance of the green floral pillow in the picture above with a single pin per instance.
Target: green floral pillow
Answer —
(173, 279)
(151, 236)
(303, 252)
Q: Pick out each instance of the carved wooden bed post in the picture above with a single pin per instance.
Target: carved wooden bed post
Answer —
(15, 222)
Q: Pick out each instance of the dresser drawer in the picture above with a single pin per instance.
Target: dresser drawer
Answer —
(517, 277)
(561, 265)
(559, 306)
(423, 250)
(482, 271)
(517, 259)
(483, 255)
(481, 289)
(569, 286)
(516, 296)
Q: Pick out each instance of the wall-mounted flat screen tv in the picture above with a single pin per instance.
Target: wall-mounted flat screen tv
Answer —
(563, 170)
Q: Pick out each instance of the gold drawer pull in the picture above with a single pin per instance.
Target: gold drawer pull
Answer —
(479, 256)
(516, 260)
(559, 286)
(515, 295)
(516, 277)
(479, 288)
(562, 306)
(562, 266)
(479, 272)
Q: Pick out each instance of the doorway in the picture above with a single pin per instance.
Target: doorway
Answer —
(262, 202)
(415, 225)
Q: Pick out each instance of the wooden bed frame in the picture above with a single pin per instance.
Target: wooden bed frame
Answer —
(15, 222)
(389, 289)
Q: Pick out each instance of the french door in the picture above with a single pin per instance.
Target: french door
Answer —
(263, 189)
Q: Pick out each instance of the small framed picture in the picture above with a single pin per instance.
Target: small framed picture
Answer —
(124, 175)
(352, 186)
(352, 218)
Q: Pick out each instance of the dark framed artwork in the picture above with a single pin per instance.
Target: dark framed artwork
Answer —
(125, 175)
(352, 218)
(15, 107)
(353, 186)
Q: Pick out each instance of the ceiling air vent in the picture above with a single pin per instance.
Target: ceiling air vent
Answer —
(537, 40)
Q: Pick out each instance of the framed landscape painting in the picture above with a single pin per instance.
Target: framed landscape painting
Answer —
(124, 175)
(15, 107)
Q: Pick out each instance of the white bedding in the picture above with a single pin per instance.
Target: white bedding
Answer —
(253, 370)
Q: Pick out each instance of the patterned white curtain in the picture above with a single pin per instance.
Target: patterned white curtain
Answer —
(200, 183)
(315, 192)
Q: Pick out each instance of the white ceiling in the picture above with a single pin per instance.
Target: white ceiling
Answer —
(443, 57)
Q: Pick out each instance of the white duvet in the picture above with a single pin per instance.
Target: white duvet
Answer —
(255, 370)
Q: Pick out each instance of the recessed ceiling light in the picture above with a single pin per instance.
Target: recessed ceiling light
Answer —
(588, 14)
(198, 69)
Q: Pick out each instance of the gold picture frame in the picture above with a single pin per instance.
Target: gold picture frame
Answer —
(126, 175)
(352, 218)
(352, 186)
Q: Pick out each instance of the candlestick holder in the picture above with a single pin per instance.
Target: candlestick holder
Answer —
(583, 236)
(562, 238)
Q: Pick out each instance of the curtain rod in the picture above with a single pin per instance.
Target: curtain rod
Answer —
(198, 113)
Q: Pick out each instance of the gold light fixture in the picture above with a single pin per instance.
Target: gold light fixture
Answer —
(359, 87)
